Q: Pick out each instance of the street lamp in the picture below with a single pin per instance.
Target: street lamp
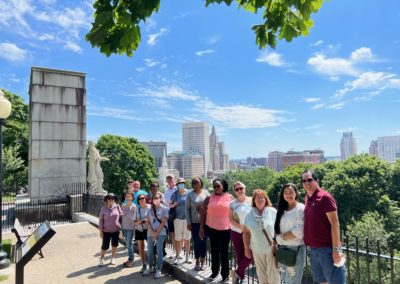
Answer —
(5, 110)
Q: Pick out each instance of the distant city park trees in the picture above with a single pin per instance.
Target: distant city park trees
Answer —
(116, 27)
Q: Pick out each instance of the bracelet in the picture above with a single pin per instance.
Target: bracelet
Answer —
(337, 249)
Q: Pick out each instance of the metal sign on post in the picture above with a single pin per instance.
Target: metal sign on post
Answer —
(30, 247)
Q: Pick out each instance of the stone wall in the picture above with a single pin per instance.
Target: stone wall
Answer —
(57, 137)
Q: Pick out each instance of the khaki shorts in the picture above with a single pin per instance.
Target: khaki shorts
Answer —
(181, 231)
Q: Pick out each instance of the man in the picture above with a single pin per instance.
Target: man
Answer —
(168, 191)
(154, 187)
(322, 232)
(137, 191)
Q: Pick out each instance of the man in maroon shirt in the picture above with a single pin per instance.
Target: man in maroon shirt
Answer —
(322, 232)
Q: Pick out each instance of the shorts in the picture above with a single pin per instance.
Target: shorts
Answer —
(171, 227)
(140, 235)
(114, 237)
(322, 267)
(181, 231)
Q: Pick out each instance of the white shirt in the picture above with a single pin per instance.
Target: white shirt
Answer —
(240, 209)
(292, 221)
(168, 193)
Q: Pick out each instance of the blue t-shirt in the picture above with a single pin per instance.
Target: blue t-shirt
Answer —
(181, 206)
(136, 194)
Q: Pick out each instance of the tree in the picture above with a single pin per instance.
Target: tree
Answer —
(258, 178)
(394, 181)
(128, 160)
(116, 27)
(16, 130)
(15, 173)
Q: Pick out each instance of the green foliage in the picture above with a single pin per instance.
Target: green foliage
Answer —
(14, 171)
(357, 185)
(259, 178)
(128, 160)
(394, 181)
(16, 129)
(116, 26)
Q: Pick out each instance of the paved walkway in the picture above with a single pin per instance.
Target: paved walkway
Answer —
(72, 255)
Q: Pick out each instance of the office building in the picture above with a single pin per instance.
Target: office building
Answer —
(389, 148)
(348, 146)
(157, 149)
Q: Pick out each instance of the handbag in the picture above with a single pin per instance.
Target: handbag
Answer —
(287, 256)
(172, 211)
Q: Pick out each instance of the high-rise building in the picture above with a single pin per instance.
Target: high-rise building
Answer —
(348, 146)
(274, 160)
(373, 148)
(389, 148)
(157, 149)
(189, 165)
(195, 140)
(219, 160)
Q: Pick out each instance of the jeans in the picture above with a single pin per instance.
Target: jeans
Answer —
(293, 275)
(129, 243)
(150, 250)
(219, 241)
(200, 246)
(242, 261)
(322, 267)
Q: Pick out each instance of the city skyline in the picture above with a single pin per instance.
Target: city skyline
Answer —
(201, 64)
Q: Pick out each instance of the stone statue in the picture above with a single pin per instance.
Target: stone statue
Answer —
(95, 174)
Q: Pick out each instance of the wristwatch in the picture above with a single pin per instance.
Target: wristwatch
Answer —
(337, 249)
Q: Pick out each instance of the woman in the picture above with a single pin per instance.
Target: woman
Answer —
(182, 234)
(109, 227)
(156, 219)
(289, 227)
(154, 188)
(128, 210)
(238, 211)
(141, 227)
(194, 204)
(258, 232)
(216, 216)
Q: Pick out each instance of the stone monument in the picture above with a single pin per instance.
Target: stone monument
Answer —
(57, 136)
(95, 174)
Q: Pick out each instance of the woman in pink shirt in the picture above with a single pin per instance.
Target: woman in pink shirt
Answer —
(215, 219)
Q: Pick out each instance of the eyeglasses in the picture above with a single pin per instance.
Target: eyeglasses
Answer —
(307, 180)
(141, 198)
(239, 188)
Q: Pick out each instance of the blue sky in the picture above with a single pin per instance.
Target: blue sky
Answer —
(198, 63)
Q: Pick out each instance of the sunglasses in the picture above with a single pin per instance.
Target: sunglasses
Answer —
(141, 198)
(110, 198)
(239, 188)
(307, 180)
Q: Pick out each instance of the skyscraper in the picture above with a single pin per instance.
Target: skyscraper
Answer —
(157, 149)
(348, 146)
(195, 140)
(219, 160)
(389, 148)
(373, 148)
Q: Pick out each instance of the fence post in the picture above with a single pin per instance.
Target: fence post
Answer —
(391, 249)
(346, 238)
(378, 246)
(368, 264)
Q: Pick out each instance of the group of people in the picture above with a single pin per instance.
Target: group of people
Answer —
(255, 228)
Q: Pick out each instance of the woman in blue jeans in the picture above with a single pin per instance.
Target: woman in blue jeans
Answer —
(289, 228)
(194, 205)
(156, 232)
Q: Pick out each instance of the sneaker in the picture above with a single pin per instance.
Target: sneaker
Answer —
(226, 280)
(188, 260)
(212, 277)
(146, 271)
(112, 261)
(158, 274)
(175, 261)
(101, 262)
(143, 269)
(197, 267)
(152, 269)
(128, 263)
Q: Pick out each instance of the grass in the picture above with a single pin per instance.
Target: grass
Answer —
(3, 278)
(7, 247)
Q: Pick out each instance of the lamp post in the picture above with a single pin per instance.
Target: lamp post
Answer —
(5, 110)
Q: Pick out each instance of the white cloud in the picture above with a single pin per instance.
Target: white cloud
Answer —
(377, 81)
(73, 47)
(213, 39)
(332, 67)
(150, 62)
(152, 38)
(119, 113)
(172, 92)
(315, 126)
(362, 54)
(11, 52)
(336, 106)
(311, 100)
(240, 116)
(204, 52)
(272, 58)
(318, 106)
(348, 129)
(318, 43)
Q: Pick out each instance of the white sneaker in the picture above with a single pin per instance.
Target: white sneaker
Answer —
(158, 274)
(175, 261)
(112, 261)
(143, 269)
(101, 262)
(146, 271)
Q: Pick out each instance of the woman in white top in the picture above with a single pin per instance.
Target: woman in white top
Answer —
(289, 227)
(239, 208)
